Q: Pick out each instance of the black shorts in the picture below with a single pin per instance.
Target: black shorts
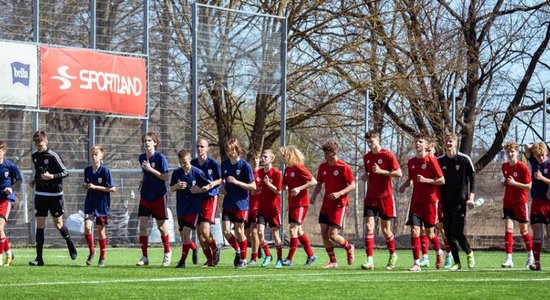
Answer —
(373, 211)
(98, 220)
(264, 221)
(53, 204)
(415, 220)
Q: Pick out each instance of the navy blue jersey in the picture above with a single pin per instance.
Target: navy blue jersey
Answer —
(153, 187)
(9, 174)
(236, 198)
(212, 170)
(539, 188)
(186, 202)
(98, 202)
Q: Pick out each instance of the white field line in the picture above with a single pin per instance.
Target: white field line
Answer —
(315, 277)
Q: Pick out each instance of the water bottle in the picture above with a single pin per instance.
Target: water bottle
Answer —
(479, 202)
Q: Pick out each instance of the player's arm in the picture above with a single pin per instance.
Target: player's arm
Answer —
(347, 189)
(528, 147)
(391, 173)
(316, 192)
(405, 185)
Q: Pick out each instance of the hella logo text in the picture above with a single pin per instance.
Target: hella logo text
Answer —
(20, 73)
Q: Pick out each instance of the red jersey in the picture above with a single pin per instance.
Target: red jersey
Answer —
(513, 195)
(429, 168)
(335, 178)
(296, 176)
(254, 197)
(270, 202)
(379, 186)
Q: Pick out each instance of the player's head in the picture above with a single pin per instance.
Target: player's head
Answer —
(422, 140)
(40, 141)
(268, 157)
(330, 148)
(511, 148)
(253, 158)
(451, 141)
(97, 153)
(233, 148)
(430, 149)
(540, 151)
(202, 146)
(184, 157)
(291, 155)
(373, 139)
(150, 140)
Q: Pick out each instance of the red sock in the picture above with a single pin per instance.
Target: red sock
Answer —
(143, 241)
(528, 241)
(536, 249)
(254, 256)
(213, 245)
(435, 243)
(369, 244)
(415, 242)
(279, 251)
(265, 246)
(446, 244)
(424, 244)
(346, 245)
(192, 245)
(331, 255)
(90, 242)
(292, 248)
(102, 248)
(184, 251)
(7, 245)
(304, 240)
(166, 243)
(208, 253)
(2, 243)
(508, 240)
(233, 242)
(244, 249)
(390, 244)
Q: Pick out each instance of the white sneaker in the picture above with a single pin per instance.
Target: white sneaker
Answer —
(167, 259)
(507, 264)
(530, 261)
(143, 261)
(424, 262)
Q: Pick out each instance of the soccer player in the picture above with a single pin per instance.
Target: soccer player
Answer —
(49, 171)
(190, 183)
(517, 183)
(99, 185)
(425, 175)
(270, 207)
(457, 194)
(209, 205)
(338, 180)
(238, 180)
(10, 177)
(251, 228)
(381, 167)
(153, 197)
(297, 179)
(537, 154)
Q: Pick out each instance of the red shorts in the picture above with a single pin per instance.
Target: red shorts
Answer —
(209, 210)
(540, 211)
(189, 221)
(156, 208)
(518, 212)
(5, 209)
(274, 220)
(427, 212)
(98, 220)
(333, 216)
(297, 215)
(385, 207)
(234, 216)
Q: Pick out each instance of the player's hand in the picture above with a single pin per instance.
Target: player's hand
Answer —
(46, 176)
(333, 196)
(511, 181)
(470, 203)
(376, 169)
(8, 190)
(266, 179)
(196, 189)
(230, 179)
(538, 175)
(421, 178)
(295, 191)
(365, 177)
(146, 165)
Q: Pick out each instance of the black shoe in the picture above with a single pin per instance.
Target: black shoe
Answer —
(237, 259)
(36, 263)
(194, 257)
(90, 259)
(181, 265)
(72, 249)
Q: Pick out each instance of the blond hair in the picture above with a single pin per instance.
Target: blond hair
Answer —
(291, 155)
(510, 145)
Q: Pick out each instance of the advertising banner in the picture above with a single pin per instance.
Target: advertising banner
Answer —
(92, 81)
(18, 74)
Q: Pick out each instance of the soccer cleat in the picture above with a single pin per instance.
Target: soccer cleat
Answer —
(455, 267)
(279, 264)
(287, 262)
(507, 264)
(181, 265)
(207, 264)
(267, 260)
(439, 260)
(471, 260)
(448, 261)
(167, 259)
(535, 267)
(529, 262)
(36, 263)
(143, 261)
(415, 268)
(252, 262)
(310, 260)
(368, 266)
(71, 247)
(216, 257)
(241, 264)
(351, 254)
(392, 261)
(424, 262)
(8, 260)
(194, 257)
(90, 259)
(331, 265)
(237, 258)
(101, 263)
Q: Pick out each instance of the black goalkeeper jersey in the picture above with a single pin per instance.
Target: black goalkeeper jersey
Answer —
(48, 161)
(460, 180)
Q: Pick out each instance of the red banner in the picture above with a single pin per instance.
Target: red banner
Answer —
(93, 81)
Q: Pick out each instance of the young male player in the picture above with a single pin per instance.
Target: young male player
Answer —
(9, 177)
(251, 228)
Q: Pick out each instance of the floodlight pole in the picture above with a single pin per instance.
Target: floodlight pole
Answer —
(453, 111)
(544, 105)
(283, 107)
(194, 79)
(93, 45)
(146, 52)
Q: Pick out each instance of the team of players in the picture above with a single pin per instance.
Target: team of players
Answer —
(443, 189)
